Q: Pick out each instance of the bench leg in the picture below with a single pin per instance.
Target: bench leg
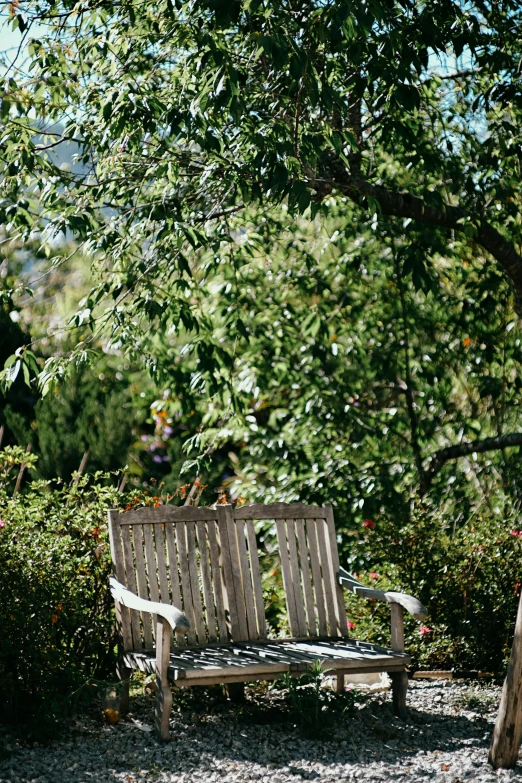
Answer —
(340, 682)
(399, 690)
(123, 673)
(235, 692)
(163, 691)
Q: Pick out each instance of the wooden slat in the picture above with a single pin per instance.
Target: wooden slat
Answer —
(164, 514)
(217, 581)
(130, 581)
(253, 632)
(296, 581)
(159, 540)
(174, 575)
(141, 573)
(206, 578)
(334, 556)
(122, 613)
(232, 574)
(313, 548)
(236, 573)
(194, 582)
(256, 579)
(188, 608)
(305, 575)
(279, 511)
(152, 567)
(328, 584)
(287, 577)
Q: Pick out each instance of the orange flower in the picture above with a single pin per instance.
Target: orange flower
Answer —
(466, 341)
(54, 619)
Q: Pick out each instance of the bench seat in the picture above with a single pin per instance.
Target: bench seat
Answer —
(244, 661)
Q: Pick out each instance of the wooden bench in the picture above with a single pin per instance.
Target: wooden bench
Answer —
(189, 600)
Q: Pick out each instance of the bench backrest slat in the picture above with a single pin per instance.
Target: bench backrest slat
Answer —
(208, 563)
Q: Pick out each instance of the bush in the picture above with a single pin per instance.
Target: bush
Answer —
(466, 573)
(56, 622)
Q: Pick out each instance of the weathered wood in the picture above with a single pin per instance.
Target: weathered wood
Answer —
(334, 557)
(508, 727)
(305, 576)
(130, 581)
(216, 576)
(287, 578)
(122, 613)
(313, 548)
(228, 577)
(194, 582)
(163, 514)
(397, 628)
(123, 674)
(21, 472)
(82, 467)
(237, 593)
(248, 592)
(399, 691)
(339, 682)
(295, 577)
(188, 607)
(328, 577)
(174, 574)
(279, 511)
(163, 579)
(141, 577)
(171, 614)
(256, 579)
(217, 581)
(163, 691)
(411, 604)
(206, 579)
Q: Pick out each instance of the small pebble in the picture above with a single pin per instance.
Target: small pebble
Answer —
(446, 739)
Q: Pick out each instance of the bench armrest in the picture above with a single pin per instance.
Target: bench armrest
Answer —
(175, 617)
(411, 604)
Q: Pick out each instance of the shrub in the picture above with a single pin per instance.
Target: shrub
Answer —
(56, 624)
(466, 572)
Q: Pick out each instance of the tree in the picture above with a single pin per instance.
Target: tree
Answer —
(182, 114)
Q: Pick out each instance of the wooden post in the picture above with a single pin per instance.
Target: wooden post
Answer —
(508, 728)
(21, 472)
(399, 679)
(83, 463)
(163, 692)
(2, 430)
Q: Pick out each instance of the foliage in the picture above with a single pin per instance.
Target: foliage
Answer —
(186, 121)
(314, 708)
(466, 571)
(56, 618)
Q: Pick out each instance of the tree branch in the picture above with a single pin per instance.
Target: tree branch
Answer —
(406, 205)
(463, 449)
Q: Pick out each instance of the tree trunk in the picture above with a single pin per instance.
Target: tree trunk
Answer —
(508, 728)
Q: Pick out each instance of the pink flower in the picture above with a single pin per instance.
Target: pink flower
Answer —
(516, 533)
(351, 625)
(2, 523)
(423, 630)
(516, 588)
(368, 523)
(373, 575)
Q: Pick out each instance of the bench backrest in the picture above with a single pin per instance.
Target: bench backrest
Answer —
(205, 561)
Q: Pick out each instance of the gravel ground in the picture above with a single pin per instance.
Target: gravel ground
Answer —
(445, 739)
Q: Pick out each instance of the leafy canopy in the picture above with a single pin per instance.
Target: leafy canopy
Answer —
(182, 116)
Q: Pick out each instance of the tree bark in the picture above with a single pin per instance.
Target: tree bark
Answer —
(406, 205)
(463, 449)
(508, 728)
